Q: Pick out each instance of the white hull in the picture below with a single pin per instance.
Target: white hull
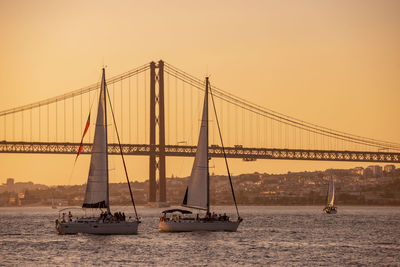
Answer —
(98, 228)
(193, 225)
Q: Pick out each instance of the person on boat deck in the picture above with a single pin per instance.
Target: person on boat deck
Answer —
(123, 216)
(70, 216)
(63, 217)
(109, 216)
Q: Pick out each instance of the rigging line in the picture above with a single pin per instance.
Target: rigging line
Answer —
(271, 112)
(223, 150)
(122, 155)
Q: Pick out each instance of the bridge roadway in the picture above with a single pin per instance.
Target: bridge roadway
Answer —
(247, 154)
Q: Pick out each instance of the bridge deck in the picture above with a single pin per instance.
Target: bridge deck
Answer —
(244, 153)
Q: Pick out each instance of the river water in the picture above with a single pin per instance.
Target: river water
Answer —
(273, 236)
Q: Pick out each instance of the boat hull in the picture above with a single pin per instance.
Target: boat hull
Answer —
(192, 226)
(98, 228)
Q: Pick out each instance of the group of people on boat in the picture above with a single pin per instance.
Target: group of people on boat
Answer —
(329, 209)
(63, 217)
(209, 217)
(109, 217)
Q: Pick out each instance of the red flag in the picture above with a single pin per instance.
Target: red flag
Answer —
(84, 133)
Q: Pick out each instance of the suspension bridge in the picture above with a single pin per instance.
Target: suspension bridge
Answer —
(158, 109)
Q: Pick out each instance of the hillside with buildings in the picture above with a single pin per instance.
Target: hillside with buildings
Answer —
(358, 186)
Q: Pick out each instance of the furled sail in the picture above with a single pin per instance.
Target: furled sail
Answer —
(331, 193)
(97, 185)
(197, 191)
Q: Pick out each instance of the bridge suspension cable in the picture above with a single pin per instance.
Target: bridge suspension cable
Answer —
(279, 117)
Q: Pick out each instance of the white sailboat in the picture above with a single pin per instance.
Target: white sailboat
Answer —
(97, 189)
(198, 192)
(330, 200)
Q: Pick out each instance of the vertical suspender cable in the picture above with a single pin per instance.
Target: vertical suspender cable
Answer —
(145, 107)
(243, 127)
(191, 114)
(73, 117)
(39, 125)
(56, 121)
(137, 109)
(30, 124)
(183, 111)
(168, 110)
(48, 123)
(130, 111)
(13, 123)
(65, 122)
(113, 101)
(22, 124)
(236, 125)
(81, 111)
(176, 111)
(122, 122)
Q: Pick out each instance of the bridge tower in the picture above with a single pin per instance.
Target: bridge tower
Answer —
(157, 158)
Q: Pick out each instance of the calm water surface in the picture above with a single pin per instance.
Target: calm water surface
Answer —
(277, 236)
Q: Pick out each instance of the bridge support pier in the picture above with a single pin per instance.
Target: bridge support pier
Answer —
(157, 158)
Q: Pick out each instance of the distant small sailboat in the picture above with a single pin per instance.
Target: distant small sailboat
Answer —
(198, 191)
(330, 199)
(97, 189)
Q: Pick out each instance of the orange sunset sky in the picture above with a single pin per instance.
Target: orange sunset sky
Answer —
(332, 63)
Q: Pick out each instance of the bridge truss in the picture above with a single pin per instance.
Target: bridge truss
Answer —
(239, 152)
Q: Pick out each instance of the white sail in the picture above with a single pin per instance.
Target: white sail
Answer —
(197, 191)
(97, 186)
(331, 193)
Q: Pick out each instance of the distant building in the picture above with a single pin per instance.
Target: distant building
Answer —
(373, 171)
(389, 168)
(10, 181)
(358, 170)
(367, 172)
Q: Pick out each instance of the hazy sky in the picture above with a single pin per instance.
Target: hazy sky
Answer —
(332, 63)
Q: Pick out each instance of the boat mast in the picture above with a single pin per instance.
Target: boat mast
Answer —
(105, 130)
(223, 150)
(208, 174)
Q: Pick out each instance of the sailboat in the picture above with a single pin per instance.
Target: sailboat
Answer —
(330, 199)
(97, 189)
(197, 194)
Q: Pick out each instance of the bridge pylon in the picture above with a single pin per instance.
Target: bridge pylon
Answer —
(157, 158)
